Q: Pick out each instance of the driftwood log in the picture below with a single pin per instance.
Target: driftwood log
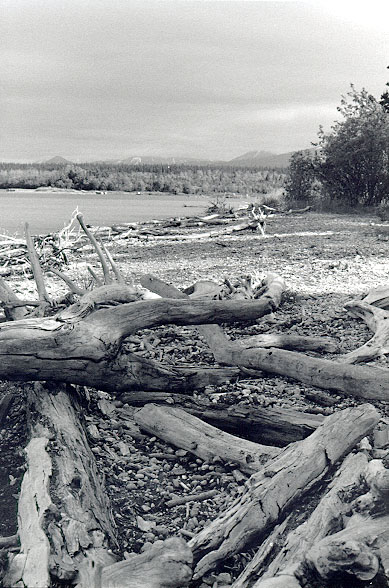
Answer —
(183, 430)
(275, 426)
(317, 550)
(65, 523)
(283, 480)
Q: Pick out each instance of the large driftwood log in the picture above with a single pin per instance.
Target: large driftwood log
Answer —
(325, 519)
(186, 431)
(361, 381)
(355, 552)
(63, 512)
(283, 479)
(84, 348)
(275, 426)
(65, 524)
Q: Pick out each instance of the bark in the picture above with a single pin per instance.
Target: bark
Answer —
(269, 426)
(63, 514)
(276, 487)
(186, 431)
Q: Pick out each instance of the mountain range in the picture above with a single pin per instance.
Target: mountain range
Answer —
(265, 159)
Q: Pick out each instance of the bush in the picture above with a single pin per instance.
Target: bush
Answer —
(383, 210)
(301, 179)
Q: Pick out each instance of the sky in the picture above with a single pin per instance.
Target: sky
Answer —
(111, 79)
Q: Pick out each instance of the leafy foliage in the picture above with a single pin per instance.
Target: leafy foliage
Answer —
(300, 181)
(353, 159)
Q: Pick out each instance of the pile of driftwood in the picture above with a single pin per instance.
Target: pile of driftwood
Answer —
(65, 526)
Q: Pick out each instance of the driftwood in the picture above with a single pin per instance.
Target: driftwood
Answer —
(360, 381)
(275, 426)
(291, 342)
(65, 526)
(61, 498)
(176, 426)
(318, 550)
(167, 564)
(326, 518)
(377, 319)
(83, 342)
(283, 480)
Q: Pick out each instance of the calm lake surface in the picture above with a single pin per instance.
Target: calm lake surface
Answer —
(50, 211)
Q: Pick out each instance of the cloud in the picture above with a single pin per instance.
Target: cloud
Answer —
(99, 78)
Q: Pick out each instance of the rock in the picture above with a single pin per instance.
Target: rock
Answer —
(381, 434)
(93, 431)
(123, 448)
(224, 578)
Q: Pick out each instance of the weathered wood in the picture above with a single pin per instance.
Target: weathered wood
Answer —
(377, 319)
(360, 381)
(63, 513)
(85, 349)
(167, 564)
(378, 296)
(325, 519)
(190, 433)
(356, 550)
(6, 296)
(270, 426)
(284, 478)
(321, 547)
(291, 342)
(30, 567)
(36, 269)
(214, 336)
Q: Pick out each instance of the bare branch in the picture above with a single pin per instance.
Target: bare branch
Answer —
(92, 239)
(36, 268)
(72, 286)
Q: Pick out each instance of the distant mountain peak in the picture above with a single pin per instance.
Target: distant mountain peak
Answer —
(57, 159)
(264, 159)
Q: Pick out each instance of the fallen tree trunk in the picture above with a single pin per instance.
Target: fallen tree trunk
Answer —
(186, 431)
(291, 342)
(65, 524)
(357, 551)
(273, 489)
(63, 512)
(270, 426)
(327, 517)
(361, 381)
(85, 349)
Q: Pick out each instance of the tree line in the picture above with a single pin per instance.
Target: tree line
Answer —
(187, 179)
(350, 164)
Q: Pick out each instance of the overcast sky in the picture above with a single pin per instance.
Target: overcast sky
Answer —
(105, 79)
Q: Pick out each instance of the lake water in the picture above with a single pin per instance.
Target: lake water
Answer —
(50, 211)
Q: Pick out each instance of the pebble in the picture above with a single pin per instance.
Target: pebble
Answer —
(181, 452)
(224, 577)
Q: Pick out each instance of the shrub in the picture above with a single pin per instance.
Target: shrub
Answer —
(383, 210)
